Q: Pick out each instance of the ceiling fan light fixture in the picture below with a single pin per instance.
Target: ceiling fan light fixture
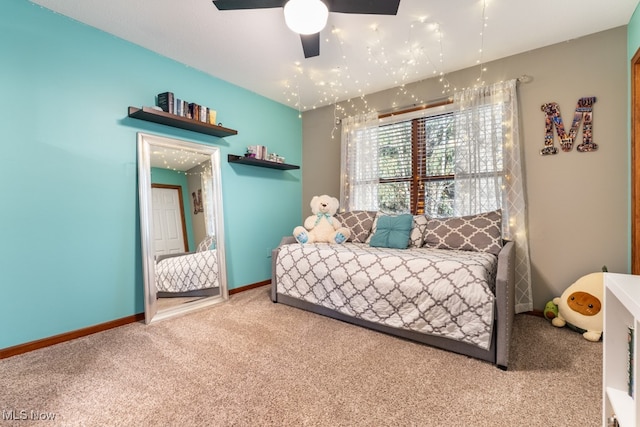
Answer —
(306, 16)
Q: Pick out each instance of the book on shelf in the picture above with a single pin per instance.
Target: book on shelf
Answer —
(185, 109)
(170, 104)
(165, 101)
(630, 361)
(194, 111)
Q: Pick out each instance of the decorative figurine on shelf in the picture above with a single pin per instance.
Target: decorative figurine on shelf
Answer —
(322, 226)
(257, 152)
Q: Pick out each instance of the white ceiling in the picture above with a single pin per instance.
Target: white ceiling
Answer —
(359, 54)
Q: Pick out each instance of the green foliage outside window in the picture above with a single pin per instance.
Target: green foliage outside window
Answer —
(427, 143)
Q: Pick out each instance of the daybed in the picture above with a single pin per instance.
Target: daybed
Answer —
(457, 300)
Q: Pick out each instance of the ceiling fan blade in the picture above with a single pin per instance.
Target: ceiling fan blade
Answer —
(310, 44)
(371, 7)
(247, 4)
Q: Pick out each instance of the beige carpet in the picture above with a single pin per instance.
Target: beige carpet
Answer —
(250, 362)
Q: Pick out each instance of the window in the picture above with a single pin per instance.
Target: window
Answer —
(417, 164)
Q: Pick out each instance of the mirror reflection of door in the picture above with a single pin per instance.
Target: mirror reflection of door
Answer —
(169, 226)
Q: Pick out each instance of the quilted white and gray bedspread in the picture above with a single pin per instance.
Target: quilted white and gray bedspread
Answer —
(440, 292)
(188, 272)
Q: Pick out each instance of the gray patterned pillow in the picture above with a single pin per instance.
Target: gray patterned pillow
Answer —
(359, 222)
(481, 232)
(373, 226)
(419, 230)
(207, 244)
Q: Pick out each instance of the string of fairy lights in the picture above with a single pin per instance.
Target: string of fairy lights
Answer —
(413, 68)
(182, 161)
(480, 80)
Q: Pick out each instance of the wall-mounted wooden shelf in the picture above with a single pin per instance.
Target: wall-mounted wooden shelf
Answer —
(232, 158)
(151, 115)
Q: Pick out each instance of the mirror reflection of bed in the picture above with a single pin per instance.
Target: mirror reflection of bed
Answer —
(181, 215)
(185, 277)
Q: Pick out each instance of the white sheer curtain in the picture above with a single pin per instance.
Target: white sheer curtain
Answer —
(488, 173)
(207, 199)
(359, 180)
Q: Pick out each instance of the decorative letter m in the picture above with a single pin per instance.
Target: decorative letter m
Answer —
(584, 109)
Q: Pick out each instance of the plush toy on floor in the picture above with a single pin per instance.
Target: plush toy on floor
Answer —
(550, 311)
(580, 306)
(322, 226)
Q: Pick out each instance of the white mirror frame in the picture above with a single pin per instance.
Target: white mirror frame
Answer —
(146, 142)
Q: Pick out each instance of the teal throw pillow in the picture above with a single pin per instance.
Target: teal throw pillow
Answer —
(393, 232)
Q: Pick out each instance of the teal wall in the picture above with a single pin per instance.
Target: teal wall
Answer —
(69, 217)
(170, 177)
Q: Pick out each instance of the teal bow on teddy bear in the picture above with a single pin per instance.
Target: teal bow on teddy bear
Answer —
(322, 215)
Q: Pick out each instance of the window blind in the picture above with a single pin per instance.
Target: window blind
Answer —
(416, 165)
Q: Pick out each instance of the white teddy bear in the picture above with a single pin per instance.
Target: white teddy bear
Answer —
(322, 226)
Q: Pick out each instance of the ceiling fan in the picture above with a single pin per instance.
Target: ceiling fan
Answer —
(298, 13)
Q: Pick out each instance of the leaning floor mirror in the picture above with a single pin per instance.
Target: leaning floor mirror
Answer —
(181, 226)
